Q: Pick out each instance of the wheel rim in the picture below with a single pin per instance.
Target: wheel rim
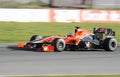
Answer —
(60, 45)
(113, 44)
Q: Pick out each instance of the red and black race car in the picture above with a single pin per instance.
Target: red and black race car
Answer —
(101, 38)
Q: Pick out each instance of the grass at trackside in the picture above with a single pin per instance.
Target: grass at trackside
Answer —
(16, 31)
(74, 76)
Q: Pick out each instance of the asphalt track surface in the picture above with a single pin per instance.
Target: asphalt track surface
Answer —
(24, 62)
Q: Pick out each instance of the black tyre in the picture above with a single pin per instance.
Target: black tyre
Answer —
(35, 37)
(110, 44)
(59, 44)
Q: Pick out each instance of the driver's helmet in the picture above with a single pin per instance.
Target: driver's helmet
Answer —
(79, 30)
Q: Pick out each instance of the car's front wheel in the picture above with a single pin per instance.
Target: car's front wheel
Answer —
(59, 44)
(35, 37)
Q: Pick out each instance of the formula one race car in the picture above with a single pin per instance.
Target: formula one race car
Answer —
(101, 38)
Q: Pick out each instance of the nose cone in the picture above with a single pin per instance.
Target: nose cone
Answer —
(21, 45)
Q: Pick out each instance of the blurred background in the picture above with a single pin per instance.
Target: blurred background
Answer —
(80, 4)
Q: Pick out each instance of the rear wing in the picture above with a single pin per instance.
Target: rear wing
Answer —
(104, 32)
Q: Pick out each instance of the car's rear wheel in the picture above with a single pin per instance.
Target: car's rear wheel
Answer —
(59, 44)
(110, 44)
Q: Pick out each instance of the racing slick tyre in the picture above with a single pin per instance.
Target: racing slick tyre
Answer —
(110, 44)
(35, 37)
(59, 44)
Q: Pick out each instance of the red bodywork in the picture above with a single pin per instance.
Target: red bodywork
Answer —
(73, 39)
(77, 36)
(70, 39)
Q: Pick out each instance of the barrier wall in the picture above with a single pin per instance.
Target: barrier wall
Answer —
(59, 15)
(100, 16)
(25, 15)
